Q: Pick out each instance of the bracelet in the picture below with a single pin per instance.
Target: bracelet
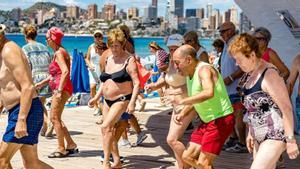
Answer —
(230, 77)
(290, 138)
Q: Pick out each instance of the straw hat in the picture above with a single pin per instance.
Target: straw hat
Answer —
(2, 28)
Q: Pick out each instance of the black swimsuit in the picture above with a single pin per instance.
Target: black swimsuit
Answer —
(118, 77)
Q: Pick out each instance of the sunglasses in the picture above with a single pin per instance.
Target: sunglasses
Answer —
(97, 36)
(187, 41)
(260, 38)
(223, 31)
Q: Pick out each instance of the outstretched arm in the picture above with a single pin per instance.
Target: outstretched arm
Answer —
(293, 75)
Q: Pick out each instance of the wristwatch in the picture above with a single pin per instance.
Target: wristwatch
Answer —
(290, 139)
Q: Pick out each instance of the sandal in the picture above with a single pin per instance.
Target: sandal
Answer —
(72, 151)
(57, 154)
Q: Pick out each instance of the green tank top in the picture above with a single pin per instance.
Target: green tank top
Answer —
(217, 106)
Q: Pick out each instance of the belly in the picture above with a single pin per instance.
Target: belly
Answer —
(112, 90)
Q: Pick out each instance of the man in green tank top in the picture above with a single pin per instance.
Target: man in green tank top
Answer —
(208, 96)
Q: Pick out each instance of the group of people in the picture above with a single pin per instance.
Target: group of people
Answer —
(233, 95)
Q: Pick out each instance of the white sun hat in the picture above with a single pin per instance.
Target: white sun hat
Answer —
(175, 40)
(2, 28)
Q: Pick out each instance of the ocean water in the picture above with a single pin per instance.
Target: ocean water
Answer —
(81, 43)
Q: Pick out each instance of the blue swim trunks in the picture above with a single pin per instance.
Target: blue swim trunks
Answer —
(125, 116)
(34, 123)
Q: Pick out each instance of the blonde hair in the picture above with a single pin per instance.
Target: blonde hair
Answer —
(116, 35)
(154, 45)
(244, 43)
(30, 32)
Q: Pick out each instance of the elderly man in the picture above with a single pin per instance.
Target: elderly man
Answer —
(231, 74)
(18, 96)
(207, 94)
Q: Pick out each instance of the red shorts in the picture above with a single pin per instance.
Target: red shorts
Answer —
(238, 106)
(212, 135)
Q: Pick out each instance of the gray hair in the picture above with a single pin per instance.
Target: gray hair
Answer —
(265, 32)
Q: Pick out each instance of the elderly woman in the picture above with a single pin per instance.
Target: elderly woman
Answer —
(61, 86)
(176, 88)
(120, 87)
(263, 37)
(39, 59)
(270, 118)
(92, 61)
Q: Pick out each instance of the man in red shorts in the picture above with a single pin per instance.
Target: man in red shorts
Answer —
(208, 96)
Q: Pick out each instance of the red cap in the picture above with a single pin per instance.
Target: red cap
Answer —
(55, 34)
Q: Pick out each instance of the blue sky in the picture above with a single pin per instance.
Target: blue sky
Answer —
(121, 4)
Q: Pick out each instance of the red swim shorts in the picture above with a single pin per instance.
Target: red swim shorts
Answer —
(212, 135)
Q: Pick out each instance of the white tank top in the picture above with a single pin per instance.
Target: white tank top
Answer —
(95, 58)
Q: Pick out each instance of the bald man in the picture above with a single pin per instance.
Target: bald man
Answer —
(207, 94)
(18, 95)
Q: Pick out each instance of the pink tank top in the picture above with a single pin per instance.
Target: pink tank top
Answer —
(266, 55)
(55, 72)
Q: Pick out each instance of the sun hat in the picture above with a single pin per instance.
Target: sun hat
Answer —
(55, 34)
(2, 28)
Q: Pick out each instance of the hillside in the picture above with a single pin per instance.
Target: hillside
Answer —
(43, 5)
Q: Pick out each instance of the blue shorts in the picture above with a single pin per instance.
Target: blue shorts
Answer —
(125, 116)
(34, 123)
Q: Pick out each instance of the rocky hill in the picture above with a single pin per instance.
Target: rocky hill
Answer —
(43, 5)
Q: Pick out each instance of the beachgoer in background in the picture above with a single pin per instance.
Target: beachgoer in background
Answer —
(18, 96)
(120, 87)
(218, 45)
(160, 55)
(176, 88)
(92, 61)
(270, 117)
(61, 86)
(39, 59)
(295, 70)
(263, 36)
(207, 95)
(231, 74)
(191, 38)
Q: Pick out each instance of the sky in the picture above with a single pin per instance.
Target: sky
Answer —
(121, 4)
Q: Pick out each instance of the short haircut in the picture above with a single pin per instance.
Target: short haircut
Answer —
(192, 35)
(265, 32)
(30, 32)
(218, 43)
(245, 43)
(187, 50)
(116, 35)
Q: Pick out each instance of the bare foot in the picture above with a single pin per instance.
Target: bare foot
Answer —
(116, 165)
(106, 165)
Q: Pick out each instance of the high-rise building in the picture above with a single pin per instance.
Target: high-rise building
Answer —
(245, 23)
(92, 11)
(234, 16)
(167, 15)
(73, 12)
(215, 19)
(150, 13)
(109, 11)
(16, 14)
(190, 13)
(133, 13)
(209, 10)
(192, 23)
(200, 13)
(154, 3)
(177, 7)
(122, 14)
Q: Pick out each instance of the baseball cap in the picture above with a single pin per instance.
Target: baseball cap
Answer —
(175, 40)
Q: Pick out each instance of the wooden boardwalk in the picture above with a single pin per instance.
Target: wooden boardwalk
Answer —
(154, 153)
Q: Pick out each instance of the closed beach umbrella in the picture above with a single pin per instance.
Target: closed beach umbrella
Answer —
(79, 74)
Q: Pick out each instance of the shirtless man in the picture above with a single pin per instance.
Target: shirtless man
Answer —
(18, 96)
(295, 70)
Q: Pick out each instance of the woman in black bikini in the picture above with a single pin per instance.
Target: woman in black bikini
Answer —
(120, 87)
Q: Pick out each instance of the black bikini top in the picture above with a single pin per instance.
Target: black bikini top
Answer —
(119, 76)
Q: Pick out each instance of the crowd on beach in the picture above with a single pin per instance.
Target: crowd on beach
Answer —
(234, 94)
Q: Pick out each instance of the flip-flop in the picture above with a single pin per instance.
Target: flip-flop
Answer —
(57, 154)
(72, 151)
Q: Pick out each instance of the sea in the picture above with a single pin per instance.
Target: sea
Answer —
(81, 43)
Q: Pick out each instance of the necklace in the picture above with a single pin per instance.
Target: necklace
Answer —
(249, 76)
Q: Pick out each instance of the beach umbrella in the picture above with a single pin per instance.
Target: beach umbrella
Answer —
(79, 74)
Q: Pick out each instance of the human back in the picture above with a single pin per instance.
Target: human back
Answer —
(10, 90)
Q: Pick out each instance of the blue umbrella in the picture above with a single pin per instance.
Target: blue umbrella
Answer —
(79, 74)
